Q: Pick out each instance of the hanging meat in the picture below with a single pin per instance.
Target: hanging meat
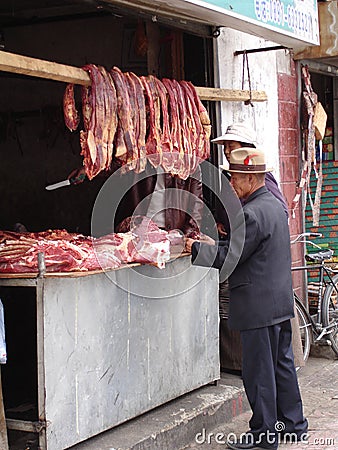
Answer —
(195, 127)
(110, 124)
(166, 142)
(205, 121)
(126, 149)
(100, 121)
(139, 118)
(175, 128)
(71, 115)
(187, 149)
(153, 142)
(129, 120)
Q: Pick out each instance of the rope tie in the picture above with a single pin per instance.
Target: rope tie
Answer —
(246, 64)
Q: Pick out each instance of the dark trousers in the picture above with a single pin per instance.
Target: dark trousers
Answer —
(270, 382)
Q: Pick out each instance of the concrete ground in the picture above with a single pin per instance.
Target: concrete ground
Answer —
(318, 382)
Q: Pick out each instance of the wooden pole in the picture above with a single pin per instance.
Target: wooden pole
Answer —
(229, 95)
(24, 65)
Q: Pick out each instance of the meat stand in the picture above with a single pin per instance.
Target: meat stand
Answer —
(108, 351)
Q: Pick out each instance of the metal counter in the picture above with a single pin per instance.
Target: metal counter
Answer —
(114, 345)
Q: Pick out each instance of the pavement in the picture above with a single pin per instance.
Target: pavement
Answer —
(204, 418)
(318, 382)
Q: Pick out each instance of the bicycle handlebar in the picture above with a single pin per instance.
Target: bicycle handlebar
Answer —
(305, 235)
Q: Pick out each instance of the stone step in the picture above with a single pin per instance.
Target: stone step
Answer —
(177, 423)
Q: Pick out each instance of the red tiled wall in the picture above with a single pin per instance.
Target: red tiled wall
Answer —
(289, 156)
(328, 219)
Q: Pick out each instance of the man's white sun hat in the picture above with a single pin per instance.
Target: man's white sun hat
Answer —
(239, 132)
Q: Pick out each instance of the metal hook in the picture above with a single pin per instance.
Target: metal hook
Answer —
(216, 32)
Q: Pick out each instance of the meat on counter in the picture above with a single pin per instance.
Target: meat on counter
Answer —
(143, 243)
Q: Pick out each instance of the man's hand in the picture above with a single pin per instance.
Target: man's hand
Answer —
(221, 230)
(77, 176)
(188, 244)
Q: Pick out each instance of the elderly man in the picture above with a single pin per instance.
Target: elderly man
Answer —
(237, 135)
(261, 303)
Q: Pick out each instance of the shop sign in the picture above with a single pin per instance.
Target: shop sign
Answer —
(296, 18)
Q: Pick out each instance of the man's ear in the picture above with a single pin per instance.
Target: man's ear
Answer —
(251, 177)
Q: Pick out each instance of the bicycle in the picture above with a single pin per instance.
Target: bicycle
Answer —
(324, 322)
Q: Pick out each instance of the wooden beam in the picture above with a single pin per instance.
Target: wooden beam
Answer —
(23, 425)
(230, 95)
(24, 65)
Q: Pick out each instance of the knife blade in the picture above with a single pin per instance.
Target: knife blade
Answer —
(51, 187)
(73, 180)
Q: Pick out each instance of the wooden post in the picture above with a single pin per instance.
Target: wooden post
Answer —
(153, 37)
(177, 55)
(3, 428)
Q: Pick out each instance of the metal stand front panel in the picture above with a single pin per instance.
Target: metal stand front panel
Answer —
(111, 355)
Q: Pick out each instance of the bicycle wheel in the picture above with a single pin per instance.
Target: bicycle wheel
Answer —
(330, 312)
(304, 327)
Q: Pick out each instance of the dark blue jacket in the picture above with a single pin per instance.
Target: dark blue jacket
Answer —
(258, 254)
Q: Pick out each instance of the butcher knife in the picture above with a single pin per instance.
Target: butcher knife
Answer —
(68, 182)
